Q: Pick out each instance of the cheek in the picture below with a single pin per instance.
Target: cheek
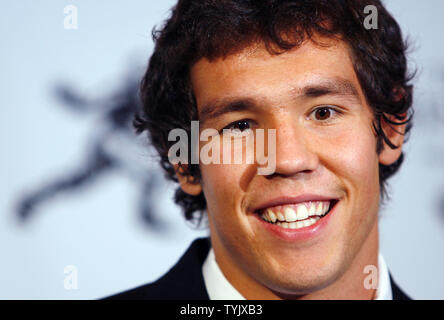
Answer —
(225, 180)
(223, 193)
(221, 187)
(355, 164)
(352, 157)
(360, 160)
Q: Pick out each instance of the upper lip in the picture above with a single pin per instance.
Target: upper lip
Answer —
(283, 200)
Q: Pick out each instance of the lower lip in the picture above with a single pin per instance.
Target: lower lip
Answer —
(300, 234)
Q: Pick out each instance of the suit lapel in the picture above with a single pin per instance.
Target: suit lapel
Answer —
(397, 293)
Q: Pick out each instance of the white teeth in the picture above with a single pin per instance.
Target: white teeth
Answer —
(320, 209)
(297, 213)
(302, 212)
(312, 209)
(290, 215)
(326, 207)
(298, 224)
(271, 215)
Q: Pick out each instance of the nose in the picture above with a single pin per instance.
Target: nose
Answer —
(295, 151)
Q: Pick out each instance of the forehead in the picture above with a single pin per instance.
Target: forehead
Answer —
(256, 71)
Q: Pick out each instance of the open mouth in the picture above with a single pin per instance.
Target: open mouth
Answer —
(299, 215)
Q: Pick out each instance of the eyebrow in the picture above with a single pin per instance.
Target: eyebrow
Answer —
(224, 106)
(334, 86)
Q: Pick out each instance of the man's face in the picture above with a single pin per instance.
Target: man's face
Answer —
(325, 155)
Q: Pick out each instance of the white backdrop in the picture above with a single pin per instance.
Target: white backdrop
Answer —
(97, 228)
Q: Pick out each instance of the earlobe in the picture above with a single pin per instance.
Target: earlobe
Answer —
(395, 134)
(187, 183)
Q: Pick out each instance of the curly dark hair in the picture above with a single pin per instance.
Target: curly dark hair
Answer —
(211, 29)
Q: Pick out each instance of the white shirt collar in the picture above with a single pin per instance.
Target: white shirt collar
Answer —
(219, 288)
(384, 290)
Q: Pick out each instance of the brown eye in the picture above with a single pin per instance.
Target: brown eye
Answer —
(322, 114)
(240, 125)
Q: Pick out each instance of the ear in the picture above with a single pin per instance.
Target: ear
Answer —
(395, 133)
(187, 183)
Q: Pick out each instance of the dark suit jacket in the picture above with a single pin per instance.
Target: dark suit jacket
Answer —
(185, 280)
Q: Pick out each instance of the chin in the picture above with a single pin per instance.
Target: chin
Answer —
(298, 279)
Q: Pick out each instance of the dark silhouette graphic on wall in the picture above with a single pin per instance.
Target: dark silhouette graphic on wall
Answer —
(114, 147)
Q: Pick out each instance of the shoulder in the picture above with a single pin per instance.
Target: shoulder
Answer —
(183, 281)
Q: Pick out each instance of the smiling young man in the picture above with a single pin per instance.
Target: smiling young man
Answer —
(338, 98)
